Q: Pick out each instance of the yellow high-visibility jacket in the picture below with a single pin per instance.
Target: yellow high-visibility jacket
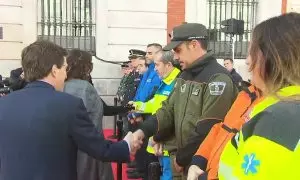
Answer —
(161, 95)
(267, 147)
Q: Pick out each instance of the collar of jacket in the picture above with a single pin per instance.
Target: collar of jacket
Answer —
(39, 84)
(201, 62)
(270, 100)
(151, 65)
(233, 71)
(170, 78)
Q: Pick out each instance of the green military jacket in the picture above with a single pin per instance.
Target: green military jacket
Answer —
(202, 95)
(128, 87)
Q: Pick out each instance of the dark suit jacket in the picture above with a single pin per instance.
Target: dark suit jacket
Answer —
(236, 77)
(40, 132)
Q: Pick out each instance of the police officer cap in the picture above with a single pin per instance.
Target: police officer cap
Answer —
(134, 53)
(125, 64)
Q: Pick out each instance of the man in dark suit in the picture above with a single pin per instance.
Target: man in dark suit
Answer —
(236, 77)
(41, 128)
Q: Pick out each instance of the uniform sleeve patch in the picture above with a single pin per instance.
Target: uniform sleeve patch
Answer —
(216, 88)
(167, 93)
(250, 164)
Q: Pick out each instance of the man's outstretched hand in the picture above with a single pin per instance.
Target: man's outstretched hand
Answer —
(194, 172)
(139, 134)
(134, 140)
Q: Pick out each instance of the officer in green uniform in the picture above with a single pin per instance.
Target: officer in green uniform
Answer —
(123, 83)
(130, 81)
(129, 85)
(134, 54)
(202, 95)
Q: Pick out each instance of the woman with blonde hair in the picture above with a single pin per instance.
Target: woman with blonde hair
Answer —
(268, 145)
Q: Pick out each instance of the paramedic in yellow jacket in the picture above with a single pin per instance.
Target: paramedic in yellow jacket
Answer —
(164, 61)
(267, 147)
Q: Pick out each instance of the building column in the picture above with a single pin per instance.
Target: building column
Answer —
(264, 11)
(196, 11)
(291, 6)
(29, 19)
(175, 14)
(102, 29)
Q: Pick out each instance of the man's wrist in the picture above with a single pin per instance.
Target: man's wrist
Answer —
(128, 139)
(156, 138)
(180, 160)
(199, 161)
(128, 144)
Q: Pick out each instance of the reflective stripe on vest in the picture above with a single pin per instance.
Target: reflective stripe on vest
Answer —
(150, 149)
(230, 152)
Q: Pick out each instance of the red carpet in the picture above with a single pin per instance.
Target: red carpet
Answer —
(107, 133)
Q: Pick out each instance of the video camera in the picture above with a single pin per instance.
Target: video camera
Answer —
(13, 83)
(8, 85)
(3, 83)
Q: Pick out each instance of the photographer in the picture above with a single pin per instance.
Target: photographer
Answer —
(15, 82)
(1, 87)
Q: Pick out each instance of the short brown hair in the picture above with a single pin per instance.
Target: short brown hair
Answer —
(156, 45)
(275, 49)
(79, 64)
(230, 59)
(38, 58)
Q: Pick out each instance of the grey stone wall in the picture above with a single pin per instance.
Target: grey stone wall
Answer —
(106, 79)
(107, 89)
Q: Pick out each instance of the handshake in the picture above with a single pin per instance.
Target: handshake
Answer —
(134, 140)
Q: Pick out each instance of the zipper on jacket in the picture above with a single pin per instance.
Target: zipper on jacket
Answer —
(189, 84)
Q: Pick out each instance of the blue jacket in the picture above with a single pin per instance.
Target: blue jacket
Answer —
(148, 85)
(41, 131)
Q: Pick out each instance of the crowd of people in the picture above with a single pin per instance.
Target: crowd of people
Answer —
(185, 115)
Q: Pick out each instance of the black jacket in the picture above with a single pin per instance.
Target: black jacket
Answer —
(113, 110)
(237, 79)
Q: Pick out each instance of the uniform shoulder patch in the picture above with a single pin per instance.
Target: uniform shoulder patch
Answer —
(182, 88)
(216, 88)
(167, 93)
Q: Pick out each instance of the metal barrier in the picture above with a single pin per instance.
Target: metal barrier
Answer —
(120, 137)
(114, 135)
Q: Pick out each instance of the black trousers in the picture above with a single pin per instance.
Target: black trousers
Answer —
(143, 159)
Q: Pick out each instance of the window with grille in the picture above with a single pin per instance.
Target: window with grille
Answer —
(220, 10)
(69, 23)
